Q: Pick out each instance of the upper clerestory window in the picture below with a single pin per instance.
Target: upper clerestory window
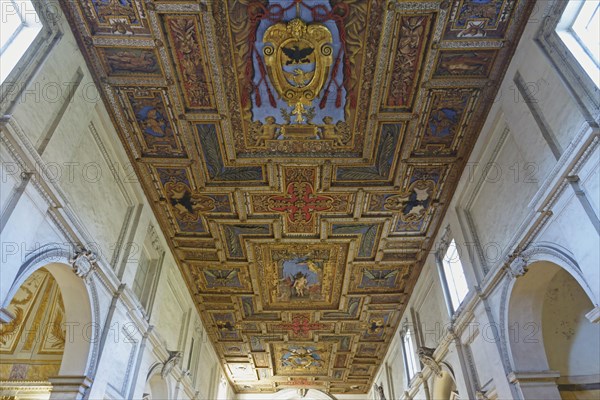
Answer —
(579, 30)
(19, 26)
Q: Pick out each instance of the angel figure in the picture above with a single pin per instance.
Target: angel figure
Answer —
(300, 284)
(268, 131)
(330, 131)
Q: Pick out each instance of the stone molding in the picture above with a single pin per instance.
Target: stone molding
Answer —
(6, 316)
(594, 315)
(69, 387)
(533, 376)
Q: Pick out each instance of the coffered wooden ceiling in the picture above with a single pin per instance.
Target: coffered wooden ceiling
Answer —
(299, 156)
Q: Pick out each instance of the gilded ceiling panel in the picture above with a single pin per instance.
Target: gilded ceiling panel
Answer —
(299, 155)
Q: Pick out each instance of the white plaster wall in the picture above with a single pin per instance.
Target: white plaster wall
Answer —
(98, 215)
(571, 341)
(504, 205)
(84, 200)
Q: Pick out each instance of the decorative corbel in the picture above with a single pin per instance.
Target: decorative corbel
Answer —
(380, 392)
(517, 267)
(174, 357)
(83, 262)
(425, 355)
(154, 239)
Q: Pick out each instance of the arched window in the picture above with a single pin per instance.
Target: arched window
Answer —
(454, 275)
(19, 26)
(451, 272)
(409, 354)
(569, 36)
(579, 29)
(28, 30)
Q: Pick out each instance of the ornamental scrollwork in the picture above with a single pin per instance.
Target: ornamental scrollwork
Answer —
(83, 262)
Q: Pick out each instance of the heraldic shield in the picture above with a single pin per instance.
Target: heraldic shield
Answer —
(298, 58)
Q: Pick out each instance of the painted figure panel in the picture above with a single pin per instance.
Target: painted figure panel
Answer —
(302, 359)
(479, 19)
(301, 276)
(185, 33)
(464, 63)
(125, 61)
(154, 123)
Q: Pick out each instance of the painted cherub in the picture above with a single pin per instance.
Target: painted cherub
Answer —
(269, 131)
(155, 124)
(329, 131)
(300, 284)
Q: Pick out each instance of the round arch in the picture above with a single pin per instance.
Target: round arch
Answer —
(561, 257)
(541, 252)
(536, 307)
(522, 303)
(443, 386)
(81, 306)
(156, 388)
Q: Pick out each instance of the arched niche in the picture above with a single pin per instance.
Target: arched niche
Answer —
(75, 277)
(551, 344)
(32, 344)
(444, 386)
(78, 314)
(156, 388)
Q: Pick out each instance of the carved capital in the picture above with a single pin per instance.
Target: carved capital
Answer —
(83, 262)
(425, 355)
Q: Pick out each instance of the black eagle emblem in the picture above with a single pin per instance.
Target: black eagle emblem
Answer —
(379, 277)
(376, 326)
(297, 55)
(225, 325)
(183, 198)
